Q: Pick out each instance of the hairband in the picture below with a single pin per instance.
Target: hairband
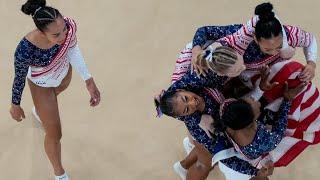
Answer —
(35, 12)
(159, 112)
(208, 53)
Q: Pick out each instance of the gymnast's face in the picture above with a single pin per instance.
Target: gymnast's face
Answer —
(187, 103)
(270, 46)
(255, 105)
(56, 31)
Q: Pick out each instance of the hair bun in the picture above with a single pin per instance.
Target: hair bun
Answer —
(264, 11)
(30, 7)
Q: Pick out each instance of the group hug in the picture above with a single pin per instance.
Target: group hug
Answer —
(249, 106)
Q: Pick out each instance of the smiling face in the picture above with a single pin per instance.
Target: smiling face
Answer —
(187, 103)
(270, 46)
(56, 31)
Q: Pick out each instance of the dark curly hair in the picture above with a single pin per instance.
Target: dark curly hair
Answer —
(236, 115)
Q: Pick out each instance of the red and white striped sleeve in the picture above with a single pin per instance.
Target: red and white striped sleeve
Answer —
(241, 39)
(183, 63)
(300, 38)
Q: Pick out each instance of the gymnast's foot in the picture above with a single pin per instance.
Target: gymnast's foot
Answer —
(62, 177)
(182, 172)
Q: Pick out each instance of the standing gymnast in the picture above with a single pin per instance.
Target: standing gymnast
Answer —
(44, 56)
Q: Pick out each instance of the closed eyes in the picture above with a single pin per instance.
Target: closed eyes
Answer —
(185, 99)
(58, 34)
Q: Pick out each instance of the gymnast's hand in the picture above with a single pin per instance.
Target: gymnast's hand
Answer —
(197, 65)
(93, 91)
(17, 112)
(265, 83)
(205, 124)
(264, 172)
(308, 72)
(291, 93)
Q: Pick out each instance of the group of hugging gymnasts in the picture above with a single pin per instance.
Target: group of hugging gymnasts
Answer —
(247, 104)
